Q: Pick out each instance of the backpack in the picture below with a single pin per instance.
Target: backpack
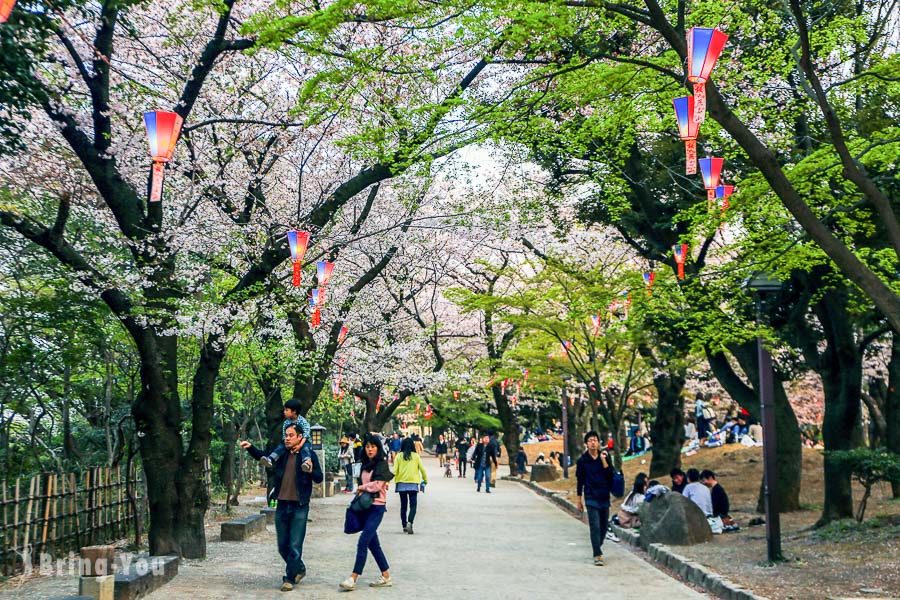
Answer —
(708, 413)
(618, 485)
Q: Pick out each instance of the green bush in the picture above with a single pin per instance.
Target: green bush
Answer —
(868, 467)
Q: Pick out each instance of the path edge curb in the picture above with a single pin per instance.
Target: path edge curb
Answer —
(687, 570)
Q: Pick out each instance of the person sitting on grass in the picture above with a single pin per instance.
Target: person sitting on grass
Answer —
(678, 480)
(627, 516)
(720, 504)
(697, 492)
(291, 417)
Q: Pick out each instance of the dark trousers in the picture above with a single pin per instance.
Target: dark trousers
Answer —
(598, 521)
(411, 498)
(290, 529)
(483, 473)
(461, 465)
(368, 541)
(348, 476)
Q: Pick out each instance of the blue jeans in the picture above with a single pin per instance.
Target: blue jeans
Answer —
(290, 528)
(368, 541)
(348, 476)
(483, 473)
(598, 522)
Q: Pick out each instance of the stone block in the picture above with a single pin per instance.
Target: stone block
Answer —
(543, 473)
(269, 514)
(238, 530)
(144, 575)
(97, 561)
(674, 520)
(70, 598)
(98, 588)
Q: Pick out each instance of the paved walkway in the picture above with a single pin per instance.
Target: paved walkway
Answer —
(510, 544)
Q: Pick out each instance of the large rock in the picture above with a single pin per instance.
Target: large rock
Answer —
(673, 520)
(544, 473)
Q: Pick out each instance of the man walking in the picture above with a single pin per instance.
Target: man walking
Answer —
(594, 475)
(483, 459)
(293, 479)
(495, 443)
(441, 450)
(462, 450)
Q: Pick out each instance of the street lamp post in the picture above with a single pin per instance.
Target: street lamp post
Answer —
(762, 284)
(565, 427)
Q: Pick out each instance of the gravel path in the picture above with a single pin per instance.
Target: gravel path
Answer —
(510, 544)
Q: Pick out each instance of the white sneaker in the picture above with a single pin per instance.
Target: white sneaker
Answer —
(612, 537)
(348, 584)
(382, 581)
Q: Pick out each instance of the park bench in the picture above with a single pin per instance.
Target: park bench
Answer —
(238, 530)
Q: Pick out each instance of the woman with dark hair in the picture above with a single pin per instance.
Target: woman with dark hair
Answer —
(374, 478)
(628, 513)
(409, 476)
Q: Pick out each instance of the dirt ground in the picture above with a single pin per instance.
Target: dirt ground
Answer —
(837, 561)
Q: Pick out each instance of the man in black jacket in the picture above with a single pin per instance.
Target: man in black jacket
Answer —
(293, 481)
(462, 447)
(594, 475)
(485, 456)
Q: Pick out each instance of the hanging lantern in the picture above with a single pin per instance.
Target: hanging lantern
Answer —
(163, 129)
(627, 301)
(704, 45)
(342, 336)
(456, 394)
(711, 170)
(723, 192)
(429, 412)
(316, 317)
(565, 347)
(324, 269)
(525, 373)
(6, 7)
(649, 277)
(688, 130)
(297, 241)
(681, 251)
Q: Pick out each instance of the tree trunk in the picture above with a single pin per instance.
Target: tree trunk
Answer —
(510, 427)
(789, 459)
(176, 491)
(667, 433)
(892, 405)
(227, 467)
(840, 367)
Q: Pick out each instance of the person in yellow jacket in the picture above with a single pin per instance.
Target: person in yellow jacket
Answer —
(409, 478)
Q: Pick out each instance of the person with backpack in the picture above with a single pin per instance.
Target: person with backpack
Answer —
(462, 458)
(594, 475)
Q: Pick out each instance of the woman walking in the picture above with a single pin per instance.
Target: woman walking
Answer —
(345, 456)
(409, 473)
(374, 478)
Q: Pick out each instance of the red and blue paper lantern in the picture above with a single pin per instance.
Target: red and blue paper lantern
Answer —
(297, 242)
(163, 129)
(704, 45)
(722, 193)
(688, 130)
(711, 170)
(6, 7)
(649, 277)
(680, 251)
(324, 269)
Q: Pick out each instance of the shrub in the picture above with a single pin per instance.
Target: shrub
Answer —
(868, 467)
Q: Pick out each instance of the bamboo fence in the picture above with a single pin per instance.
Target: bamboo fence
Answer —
(57, 513)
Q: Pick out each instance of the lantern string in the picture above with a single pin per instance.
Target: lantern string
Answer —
(97, 54)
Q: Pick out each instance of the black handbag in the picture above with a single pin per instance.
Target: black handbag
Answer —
(353, 521)
(362, 502)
